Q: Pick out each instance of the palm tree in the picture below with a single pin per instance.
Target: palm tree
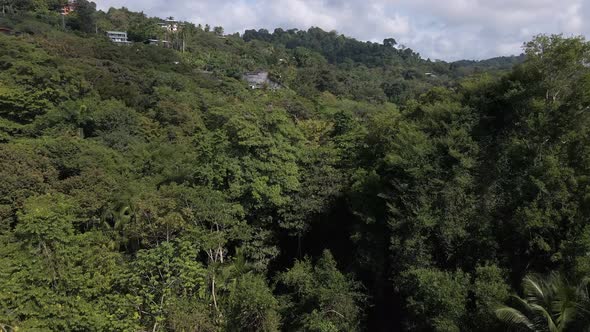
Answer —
(583, 305)
(550, 304)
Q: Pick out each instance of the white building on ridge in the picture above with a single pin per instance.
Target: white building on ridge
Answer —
(119, 37)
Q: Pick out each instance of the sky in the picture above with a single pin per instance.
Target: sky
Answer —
(437, 29)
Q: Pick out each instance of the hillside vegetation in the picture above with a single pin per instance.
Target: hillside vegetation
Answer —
(144, 188)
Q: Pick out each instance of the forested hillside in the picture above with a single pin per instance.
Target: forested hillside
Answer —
(145, 188)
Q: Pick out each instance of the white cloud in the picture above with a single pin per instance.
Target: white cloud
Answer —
(449, 30)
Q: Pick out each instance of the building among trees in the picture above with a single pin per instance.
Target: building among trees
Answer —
(69, 7)
(260, 79)
(170, 25)
(119, 37)
(159, 42)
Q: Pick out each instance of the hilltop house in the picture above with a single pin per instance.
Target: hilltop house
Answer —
(170, 25)
(163, 43)
(259, 79)
(118, 37)
(69, 7)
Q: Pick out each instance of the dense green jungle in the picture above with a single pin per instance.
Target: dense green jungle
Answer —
(360, 188)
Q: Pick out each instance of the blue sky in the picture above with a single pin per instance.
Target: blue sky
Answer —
(437, 29)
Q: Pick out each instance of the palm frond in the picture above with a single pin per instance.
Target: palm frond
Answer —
(583, 297)
(546, 317)
(533, 289)
(566, 317)
(550, 303)
(513, 317)
(521, 305)
(564, 306)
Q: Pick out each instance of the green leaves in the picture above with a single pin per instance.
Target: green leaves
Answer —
(21, 106)
(436, 299)
(46, 220)
(160, 276)
(55, 277)
(143, 189)
(252, 306)
(319, 297)
(514, 317)
(550, 304)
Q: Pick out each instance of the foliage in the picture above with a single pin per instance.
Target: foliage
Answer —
(549, 304)
(319, 297)
(146, 188)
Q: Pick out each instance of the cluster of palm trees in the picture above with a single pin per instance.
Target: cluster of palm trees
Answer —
(550, 304)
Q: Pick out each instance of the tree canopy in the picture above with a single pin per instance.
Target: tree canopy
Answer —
(148, 187)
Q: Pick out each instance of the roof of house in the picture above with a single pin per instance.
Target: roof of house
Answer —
(256, 77)
(157, 41)
(259, 78)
